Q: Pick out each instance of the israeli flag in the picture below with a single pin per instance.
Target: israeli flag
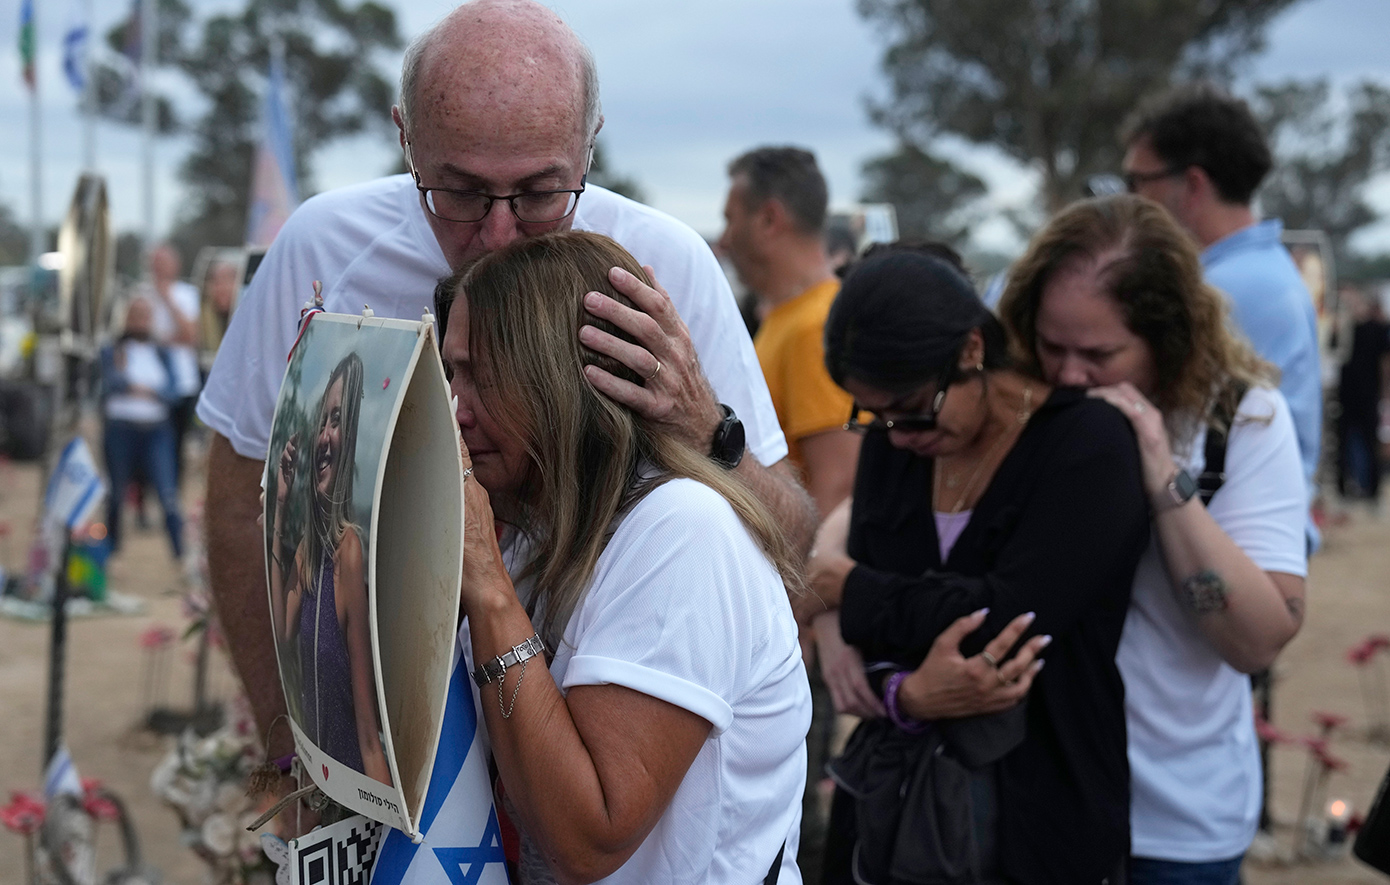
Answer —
(74, 490)
(60, 778)
(274, 188)
(462, 842)
(75, 46)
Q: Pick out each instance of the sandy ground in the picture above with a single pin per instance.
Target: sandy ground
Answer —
(106, 701)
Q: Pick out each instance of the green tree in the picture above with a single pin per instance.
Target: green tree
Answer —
(335, 90)
(1048, 81)
(1327, 147)
(14, 238)
(116, 83)
(932, 195)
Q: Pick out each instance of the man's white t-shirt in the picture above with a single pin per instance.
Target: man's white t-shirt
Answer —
(1194, 760)
(182, 357)
(685, 607)
(371, 246)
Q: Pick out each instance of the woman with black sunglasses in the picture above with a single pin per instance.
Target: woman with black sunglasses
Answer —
(986, 505)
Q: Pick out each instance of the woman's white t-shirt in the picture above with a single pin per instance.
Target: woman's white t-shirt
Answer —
(1194, 760)
(685, 607)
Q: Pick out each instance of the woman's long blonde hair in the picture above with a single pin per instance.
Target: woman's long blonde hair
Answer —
(1154, 274)
(328, 519)
(586, 452)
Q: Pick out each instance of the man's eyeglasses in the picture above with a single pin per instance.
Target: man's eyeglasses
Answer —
(532, 207)
(919, 423)
(1132, 180)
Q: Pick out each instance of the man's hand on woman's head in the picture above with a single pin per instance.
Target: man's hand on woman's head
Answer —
(948, 685)
(676, 392)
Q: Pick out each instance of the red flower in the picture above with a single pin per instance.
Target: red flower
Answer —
(158, 636)
(1269, 733)
(1329, 721)
(97, 801)
(24, 814)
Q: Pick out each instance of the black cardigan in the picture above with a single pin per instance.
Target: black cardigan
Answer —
(1059, 531)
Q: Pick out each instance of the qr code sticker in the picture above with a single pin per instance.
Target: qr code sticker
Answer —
(338, 854)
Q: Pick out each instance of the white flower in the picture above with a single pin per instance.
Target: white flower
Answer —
(219, 834)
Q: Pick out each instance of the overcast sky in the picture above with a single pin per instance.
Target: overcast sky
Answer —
(687, 84)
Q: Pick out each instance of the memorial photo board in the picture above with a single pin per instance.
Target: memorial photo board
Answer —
(364, 557)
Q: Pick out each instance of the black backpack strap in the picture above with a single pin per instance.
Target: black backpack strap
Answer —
(1218, 431)
(776, 869)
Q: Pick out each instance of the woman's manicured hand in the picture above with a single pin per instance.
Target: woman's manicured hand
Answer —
(949, 686)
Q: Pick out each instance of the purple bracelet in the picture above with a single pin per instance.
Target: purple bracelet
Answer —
(890, 701)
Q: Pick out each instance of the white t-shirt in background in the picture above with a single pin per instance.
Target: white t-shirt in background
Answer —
(143, 368)
(371, 245)
(1194, 759)
(182, 357)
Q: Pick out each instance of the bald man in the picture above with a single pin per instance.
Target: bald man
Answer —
(498, 114)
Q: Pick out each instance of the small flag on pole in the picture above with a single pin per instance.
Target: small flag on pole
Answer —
(27, 43)
(60, 777)
(132, 47)
(274, 191)
(75, 46)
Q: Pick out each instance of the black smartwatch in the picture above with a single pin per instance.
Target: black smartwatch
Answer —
(729, 442)
(1180, 489)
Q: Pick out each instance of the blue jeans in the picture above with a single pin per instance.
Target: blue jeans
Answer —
(151, 447)
(1148, 871)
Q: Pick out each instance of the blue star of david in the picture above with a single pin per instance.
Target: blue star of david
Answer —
(488, 851)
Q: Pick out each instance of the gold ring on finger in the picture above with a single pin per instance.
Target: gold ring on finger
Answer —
(1002, 680)
(990, 659)
(656, 371)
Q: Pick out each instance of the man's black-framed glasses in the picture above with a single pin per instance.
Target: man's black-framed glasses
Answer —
(1132, 180)
(531, 207)
(919, 423)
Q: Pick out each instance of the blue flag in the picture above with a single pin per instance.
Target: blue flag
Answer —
(75, 47)
(274, 190)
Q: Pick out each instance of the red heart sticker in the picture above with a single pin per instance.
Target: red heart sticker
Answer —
(325, 772)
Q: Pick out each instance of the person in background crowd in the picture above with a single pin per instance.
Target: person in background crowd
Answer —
(657, 733)
(774, 223)
(1198, 152)
(987, 505)
(840, 247)
(218, 300)
(1110, 296)
(137, 390)
(499, 109)
(1359, 393)
(774, 235)
(175, 326)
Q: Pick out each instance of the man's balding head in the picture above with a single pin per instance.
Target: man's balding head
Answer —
(507, 50)
(499, 98)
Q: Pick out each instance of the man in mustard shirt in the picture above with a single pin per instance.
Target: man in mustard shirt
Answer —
(775, 236)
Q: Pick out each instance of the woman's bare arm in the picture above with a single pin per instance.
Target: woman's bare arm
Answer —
(590, 773)
(1247, 614)
(350, 588)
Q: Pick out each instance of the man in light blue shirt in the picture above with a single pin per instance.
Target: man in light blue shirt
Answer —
(1199, 152)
